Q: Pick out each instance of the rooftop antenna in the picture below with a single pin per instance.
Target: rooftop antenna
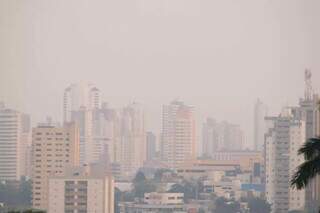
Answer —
(308, 92)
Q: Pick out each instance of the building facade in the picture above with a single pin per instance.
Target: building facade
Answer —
(81, 190)
(260, 112)
(151, 146)
(14, 144)
(210, 137)
(286, 134)
(77, 96)
(221, 136)
(54, 148)
(83, 119)
(131, 148)
(178, 134)
(156, 203)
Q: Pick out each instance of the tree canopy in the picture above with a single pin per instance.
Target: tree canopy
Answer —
(259, 205)
(224, 206)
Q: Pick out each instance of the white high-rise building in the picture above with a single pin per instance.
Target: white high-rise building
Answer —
(14, 144)
(82, 106)
(308, 110)
(260, 112)
(178, 143)
(303, 122)
(97, 129)
(123, 132)
(77, 96)
(286, 134)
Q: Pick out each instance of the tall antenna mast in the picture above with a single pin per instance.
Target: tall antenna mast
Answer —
(308, 92)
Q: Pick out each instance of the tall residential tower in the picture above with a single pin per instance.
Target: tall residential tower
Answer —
(178, 134)
(223, 136)
(260, 112)
(77, 96)
(14, 144)
(54, 149)
(286, 134)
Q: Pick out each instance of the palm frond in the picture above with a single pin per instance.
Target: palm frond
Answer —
(305, 172)
(311, 149)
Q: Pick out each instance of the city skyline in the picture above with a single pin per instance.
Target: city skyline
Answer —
(149, 106)
(144, 64)
(200, 117)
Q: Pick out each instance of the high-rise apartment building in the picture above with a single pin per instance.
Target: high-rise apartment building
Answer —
(14, 144)
(131, 146)
(25, 154)
(82, 106)
(286, 133)
(308, 110)
(77, 96)
(221, 136)
(297, 198)
(83, 119)
(151, 146)
(123, 132)
(85, 189)
(260, 112)
(97, 129)
(54, 148)
(231, 136)
(178, 134)
(79, 102)
(104, 131)
(210, 137)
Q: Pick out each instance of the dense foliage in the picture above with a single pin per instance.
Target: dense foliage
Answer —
(224, 206)
(259, 205)
(16, 194)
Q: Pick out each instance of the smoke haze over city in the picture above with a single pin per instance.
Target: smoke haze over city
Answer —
(160, 106)
(219, 56)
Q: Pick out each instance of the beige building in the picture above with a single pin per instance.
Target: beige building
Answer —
(131, 148)
(83, 189)
(178, 134)
(83, 119)
(155, 198)
(206, 168)
(14, 144)
(156, 203)
(53, 149)
(220, 136)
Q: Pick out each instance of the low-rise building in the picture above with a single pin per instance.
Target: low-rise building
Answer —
(163, 198)
(82, 190)
(156, 203)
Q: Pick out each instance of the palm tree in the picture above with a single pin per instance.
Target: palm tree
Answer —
(311, 167)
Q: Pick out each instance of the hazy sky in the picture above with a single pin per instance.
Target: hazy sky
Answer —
(218, 55)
